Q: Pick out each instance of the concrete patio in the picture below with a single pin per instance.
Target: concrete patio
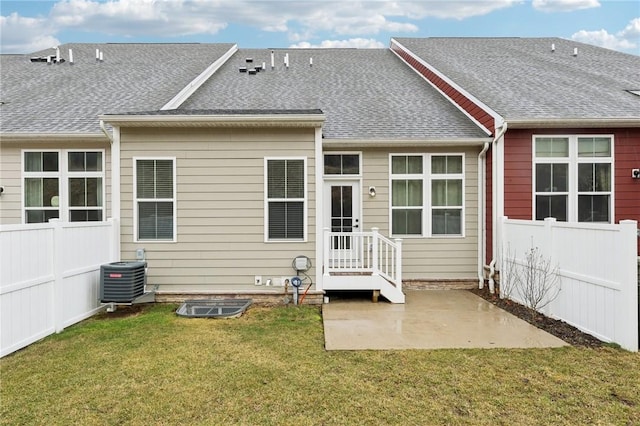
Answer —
(430, 319)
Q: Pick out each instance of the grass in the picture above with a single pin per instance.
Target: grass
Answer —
(269, 367)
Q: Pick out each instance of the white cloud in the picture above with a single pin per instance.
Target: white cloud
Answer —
(626, 39)
(564, 5)
(359, 43)
(21, 34)
(139, 17)
(300, 20)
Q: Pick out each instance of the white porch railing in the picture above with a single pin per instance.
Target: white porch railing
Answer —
(363, 253)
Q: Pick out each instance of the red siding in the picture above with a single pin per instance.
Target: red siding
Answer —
(456, 96)
(517, 174)
(518, 182)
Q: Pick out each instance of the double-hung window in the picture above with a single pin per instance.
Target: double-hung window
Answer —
(63, 184)
(155, 199)
(427, 195)
(573, 178)
(285, 207)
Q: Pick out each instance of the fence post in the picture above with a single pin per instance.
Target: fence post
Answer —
(114, 241)
(58, 271)
(549, 241)
(375, 262)
(326, 249)
(627, 314)
(398, 263)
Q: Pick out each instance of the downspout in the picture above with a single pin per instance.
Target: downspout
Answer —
(482, 236)
(114, 139)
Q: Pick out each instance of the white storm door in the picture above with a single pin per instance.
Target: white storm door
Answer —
(342, 214)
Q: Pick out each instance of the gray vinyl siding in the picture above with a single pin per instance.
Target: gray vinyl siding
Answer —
(425, 258)
(220, 207)
(11, 174)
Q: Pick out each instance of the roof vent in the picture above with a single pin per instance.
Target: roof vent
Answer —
(575, 51)
(273, 59)
(243, 69)
(553, 47)
(71, 56)
(249, 60)
(252, 71)
(310, 62)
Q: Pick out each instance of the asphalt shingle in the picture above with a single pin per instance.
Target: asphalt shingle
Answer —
(65, 98)
(364, 93)
(522, 78)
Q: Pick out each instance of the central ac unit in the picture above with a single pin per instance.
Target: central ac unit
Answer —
(122, 282)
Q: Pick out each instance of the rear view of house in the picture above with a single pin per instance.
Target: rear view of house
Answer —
(232, 170)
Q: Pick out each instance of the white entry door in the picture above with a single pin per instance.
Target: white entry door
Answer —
(342, 214)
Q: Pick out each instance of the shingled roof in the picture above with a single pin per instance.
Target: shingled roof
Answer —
(64, 98)
(364, 93)
(524, 79)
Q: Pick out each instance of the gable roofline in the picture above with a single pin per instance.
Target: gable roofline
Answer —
(195, 84)
(402, 52)
(218, 118)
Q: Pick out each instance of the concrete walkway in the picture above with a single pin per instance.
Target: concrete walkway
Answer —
(430, 319)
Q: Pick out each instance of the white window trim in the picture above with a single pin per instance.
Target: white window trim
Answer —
(63, 174)
(427, 178)
(305, 201)
(573, 160)
(343, 176)
(174, 199)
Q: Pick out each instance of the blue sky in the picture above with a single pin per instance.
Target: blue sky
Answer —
(27, 26)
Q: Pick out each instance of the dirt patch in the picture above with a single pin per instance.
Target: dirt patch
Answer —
(123, 311)
(558, 328)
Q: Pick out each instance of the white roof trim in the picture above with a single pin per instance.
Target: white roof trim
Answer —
(226, 120)
(404, 143)
(497, 117)
(195, 84)
(573, 123)
(53, 137)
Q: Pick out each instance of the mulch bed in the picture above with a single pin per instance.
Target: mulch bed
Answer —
(558, 328)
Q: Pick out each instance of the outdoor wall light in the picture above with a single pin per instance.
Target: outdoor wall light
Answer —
(372, 191)
(1, 189)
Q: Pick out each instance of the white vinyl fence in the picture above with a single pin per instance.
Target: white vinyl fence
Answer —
(598, 269)
(50, 277)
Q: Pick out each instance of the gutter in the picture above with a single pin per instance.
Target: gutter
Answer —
(574, 123)
(104, 130)
(482, 201)
(205, 120)
(404, 143)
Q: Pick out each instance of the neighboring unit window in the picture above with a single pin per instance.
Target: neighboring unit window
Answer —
(594, 179)
(552, 178)
(68, 185)
(341, 164)
(155, 199)
(285, 199)
(41, 186)
(573, 178)
(441, 210)
(85, 186)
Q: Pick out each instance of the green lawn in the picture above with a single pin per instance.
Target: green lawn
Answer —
(269, 367)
